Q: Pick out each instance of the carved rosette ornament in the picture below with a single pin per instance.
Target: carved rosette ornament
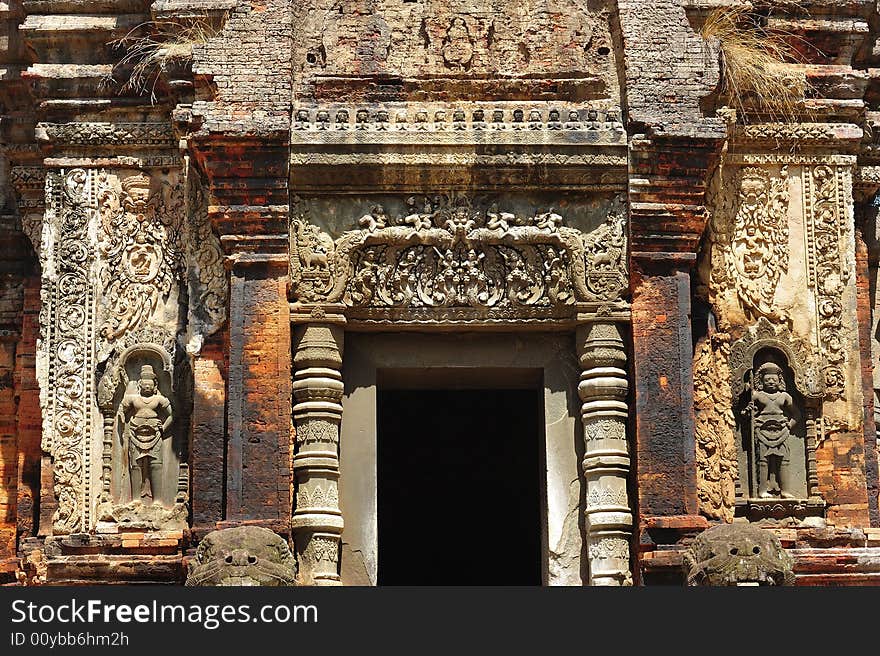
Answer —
(445, 260)
(603, 390)
(317, 411)
(66, 357)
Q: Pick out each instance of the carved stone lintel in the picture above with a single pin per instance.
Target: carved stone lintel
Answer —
(317, 390)
(603, 390)
(444, 257)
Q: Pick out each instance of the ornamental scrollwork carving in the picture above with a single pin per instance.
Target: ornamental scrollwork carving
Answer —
(750, 233)
(66, 360)
(444, 253)
(829, 272)
(714, 429)
(139, 242)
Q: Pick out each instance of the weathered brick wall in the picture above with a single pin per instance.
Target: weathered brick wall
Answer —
(259, 415)
(669, 68)
(247, 66)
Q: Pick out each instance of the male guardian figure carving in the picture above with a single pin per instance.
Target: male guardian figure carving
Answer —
(146, 417)
(773, 419)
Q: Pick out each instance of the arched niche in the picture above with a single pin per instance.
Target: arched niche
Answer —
(777, 405)
(144, 475)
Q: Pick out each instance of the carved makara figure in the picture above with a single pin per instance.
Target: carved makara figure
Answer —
(773, 419)
(146, 415)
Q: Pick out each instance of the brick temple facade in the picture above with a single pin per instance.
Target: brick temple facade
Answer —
(576, 281)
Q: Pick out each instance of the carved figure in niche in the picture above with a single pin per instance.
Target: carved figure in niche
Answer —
(773, 419)
(146, 415)
(458, 48)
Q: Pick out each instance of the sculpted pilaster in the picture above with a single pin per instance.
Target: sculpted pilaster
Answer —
(603, 390)
(780, 268)
(114, 380)
(317, 411)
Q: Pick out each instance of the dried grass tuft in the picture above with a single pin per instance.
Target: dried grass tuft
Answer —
(151, 48)
(758, 75)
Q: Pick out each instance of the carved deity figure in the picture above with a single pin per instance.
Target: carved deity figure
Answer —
(773, 419)
(146, 416)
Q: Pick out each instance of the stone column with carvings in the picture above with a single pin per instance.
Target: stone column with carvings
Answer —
(603, 390)
(317, 411)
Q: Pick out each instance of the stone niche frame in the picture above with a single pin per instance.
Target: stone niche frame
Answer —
(810, 387)
(459, 225)
(115, 505)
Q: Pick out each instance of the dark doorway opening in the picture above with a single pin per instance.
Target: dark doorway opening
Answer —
(460, 486)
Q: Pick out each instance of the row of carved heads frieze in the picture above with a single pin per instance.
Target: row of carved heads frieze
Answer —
(459, 118)
(444, 251)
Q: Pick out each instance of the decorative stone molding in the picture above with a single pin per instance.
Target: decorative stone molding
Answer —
(101, 134)
(447, 261)
(603, 390)
(801, 133)
(449, 123)
(317, 391)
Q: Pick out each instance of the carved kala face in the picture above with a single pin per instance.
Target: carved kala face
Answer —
(738, 554)
(242, 556)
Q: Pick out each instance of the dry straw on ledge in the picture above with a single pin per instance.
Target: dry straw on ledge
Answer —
(152, 47)
(757, 71)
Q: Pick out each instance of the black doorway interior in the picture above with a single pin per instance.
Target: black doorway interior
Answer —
(460, 486)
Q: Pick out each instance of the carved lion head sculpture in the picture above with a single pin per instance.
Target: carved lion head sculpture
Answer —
(245, 555)
(737, 554)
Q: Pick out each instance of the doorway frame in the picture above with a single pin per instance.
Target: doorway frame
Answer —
(524, 358)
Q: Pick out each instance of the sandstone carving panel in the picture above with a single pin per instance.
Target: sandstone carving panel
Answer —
(115, 307)
(750, 233)
(446, 258)
(736, 555)
(242, 556)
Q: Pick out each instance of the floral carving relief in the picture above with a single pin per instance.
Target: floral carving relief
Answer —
(140, 244)
(750, 230)
(716, 454)
(829, 272)
(444, 253)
